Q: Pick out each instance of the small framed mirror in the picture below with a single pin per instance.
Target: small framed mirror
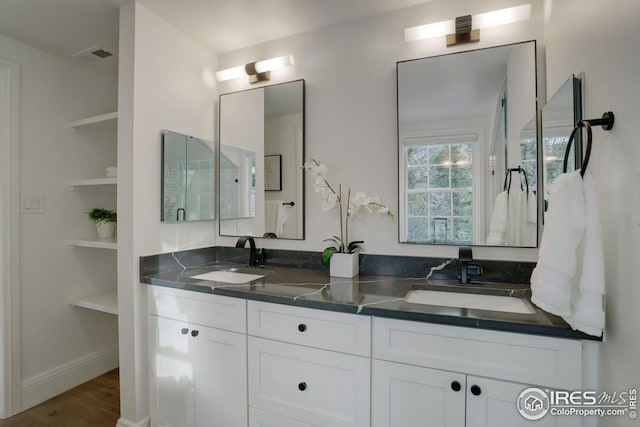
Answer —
(188, 178)
(559, 115)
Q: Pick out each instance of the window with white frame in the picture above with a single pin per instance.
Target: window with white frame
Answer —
(439, 200)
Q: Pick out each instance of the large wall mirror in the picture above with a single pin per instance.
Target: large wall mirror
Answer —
(188, 178)
(468, 148)
(261, 151)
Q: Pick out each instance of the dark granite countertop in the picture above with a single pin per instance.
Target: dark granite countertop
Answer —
(374, 295)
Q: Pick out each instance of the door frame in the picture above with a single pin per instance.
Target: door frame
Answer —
(10, 368)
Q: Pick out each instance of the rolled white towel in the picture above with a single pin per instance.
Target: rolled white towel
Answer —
(112, 172)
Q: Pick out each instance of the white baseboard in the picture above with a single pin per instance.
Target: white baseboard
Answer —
(50, 383)
(126, 423)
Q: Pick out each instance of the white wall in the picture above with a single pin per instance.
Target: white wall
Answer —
(349, 72)
(243, 119)
(166, 82)
(601, 40)
(520, 107)
(61, 346)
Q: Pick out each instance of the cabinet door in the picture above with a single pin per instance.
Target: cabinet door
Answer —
(172, 395)
(493, 403)
(406, 395)
(198, 375)
(220, 377)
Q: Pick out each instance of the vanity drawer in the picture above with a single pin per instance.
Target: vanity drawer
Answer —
(258, 418)
(201, 308)
(314, 386)
(530, 359)
(343, 332)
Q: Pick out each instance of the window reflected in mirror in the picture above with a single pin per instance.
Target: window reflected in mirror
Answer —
(440, 189)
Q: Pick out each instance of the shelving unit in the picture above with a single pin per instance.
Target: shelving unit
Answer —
(106, 302)
(93, 120)
(92, 182)
(94, 243)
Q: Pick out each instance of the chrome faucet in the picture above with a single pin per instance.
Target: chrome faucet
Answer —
(467, 268)
(256, 256)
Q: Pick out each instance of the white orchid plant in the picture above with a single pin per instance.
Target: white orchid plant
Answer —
(332, 198)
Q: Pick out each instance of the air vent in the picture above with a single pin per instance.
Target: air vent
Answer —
(101, 53)
(95, 52)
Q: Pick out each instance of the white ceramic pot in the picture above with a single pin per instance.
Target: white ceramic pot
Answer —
(344, 265)
(105, 230)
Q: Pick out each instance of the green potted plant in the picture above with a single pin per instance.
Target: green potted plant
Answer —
(342, 255)
(105, 220)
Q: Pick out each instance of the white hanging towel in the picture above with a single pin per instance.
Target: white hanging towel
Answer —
(569, 277)
(528, 220)
(513, 222)
(499, 219)
(275, 216)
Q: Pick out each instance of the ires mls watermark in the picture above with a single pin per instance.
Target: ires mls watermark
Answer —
(534, 403)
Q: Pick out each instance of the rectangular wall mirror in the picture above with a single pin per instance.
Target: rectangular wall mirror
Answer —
(468, 147)
(261, 151)
(188, 178)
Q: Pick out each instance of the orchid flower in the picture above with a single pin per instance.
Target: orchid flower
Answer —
(331, 198)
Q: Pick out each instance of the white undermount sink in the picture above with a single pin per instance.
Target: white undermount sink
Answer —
(224, 276)
(467, 300)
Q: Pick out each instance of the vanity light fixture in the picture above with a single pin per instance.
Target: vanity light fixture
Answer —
(466, 29)
(257, 71)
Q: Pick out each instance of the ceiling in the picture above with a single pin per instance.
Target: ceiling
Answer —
(65, 27)
(452, 86)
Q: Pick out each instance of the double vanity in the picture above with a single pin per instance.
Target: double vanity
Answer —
(234, 345)
(287, 345)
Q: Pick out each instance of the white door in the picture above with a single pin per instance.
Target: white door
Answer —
(198, 375)
(492, 403)
(406, 395)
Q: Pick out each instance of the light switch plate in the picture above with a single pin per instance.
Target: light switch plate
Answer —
(32, 203)
(182, 240)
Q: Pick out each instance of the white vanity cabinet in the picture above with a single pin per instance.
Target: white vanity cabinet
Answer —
(228, 362)
(308, 367)
(426, 374)
(198, 352)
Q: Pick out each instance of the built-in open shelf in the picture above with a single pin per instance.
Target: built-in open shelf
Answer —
(106, 302)
(93, 120)
(94, 243)
(92, 182)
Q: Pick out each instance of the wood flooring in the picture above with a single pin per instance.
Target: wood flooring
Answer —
(95, 403)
